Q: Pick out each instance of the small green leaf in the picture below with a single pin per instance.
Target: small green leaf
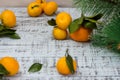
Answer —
(14, 36)
(81, 19)
(52, 22)
(90, 25)
(95, 17)
(1, 27)
(74, 26)
(92, 20)
(3, 71)
(6, 31)
(69, 62)
(35, 67)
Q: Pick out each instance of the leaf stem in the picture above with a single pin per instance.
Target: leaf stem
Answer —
(66, 54)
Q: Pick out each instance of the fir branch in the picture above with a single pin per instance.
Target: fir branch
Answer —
(91, 7)
(109, 36)
(112, 30)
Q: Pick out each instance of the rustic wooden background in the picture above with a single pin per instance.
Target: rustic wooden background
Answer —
(24, 3)
(38, 45)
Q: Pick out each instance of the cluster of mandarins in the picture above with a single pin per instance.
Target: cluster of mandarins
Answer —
(62, 28)
(62, 21)
(38, 7)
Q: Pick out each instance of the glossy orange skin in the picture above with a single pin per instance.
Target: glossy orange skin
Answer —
(11, 65)
(63, 68)
(50, 8)
(34, 11)
(82, 34)
(63, 20)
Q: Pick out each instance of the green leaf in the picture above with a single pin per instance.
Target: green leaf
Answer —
(3, 71)
(35, 67)
(14, 36)
(95, 17)
(92, 20)
(69, 62)
(81, 19)
(90, 25)
(74, 25)
(52, 22)
(6, 31)
(1, 27)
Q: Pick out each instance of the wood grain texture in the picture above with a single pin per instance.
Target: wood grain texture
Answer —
(38, 45)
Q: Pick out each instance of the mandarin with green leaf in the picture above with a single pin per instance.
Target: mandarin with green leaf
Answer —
(66, 65)
(81, 28)
(10, 64)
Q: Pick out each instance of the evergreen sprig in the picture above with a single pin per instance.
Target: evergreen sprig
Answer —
(90, 7)
(109, 36)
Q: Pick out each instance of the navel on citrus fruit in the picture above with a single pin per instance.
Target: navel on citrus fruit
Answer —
(82, 34)
(59, 34)
(8, 18)
(63, 20)
(50, 8)
(10, 64)
(34, 9)
(63, 68)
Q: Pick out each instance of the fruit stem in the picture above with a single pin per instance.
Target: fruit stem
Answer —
(66, 54)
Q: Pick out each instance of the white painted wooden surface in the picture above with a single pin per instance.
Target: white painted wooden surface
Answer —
(38, 45)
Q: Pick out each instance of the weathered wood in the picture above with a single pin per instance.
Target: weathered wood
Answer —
(38, 45)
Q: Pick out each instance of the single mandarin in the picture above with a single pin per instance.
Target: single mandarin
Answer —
(62, 66)
(63, 20)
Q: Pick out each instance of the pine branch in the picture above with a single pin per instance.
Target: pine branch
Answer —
(109, 36)
(112, 30)
(107, 7)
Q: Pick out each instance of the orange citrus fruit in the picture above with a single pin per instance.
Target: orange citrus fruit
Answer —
(10, 64)
(82, 34)
(34, 9)
(43, 4)
(8, 18)
(63, 68)
(50, 8)
(63, 20)
(59, 34)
